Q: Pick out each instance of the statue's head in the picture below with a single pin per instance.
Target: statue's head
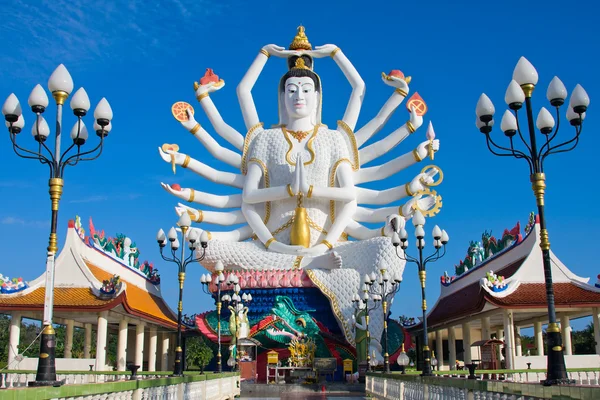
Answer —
(299, 91)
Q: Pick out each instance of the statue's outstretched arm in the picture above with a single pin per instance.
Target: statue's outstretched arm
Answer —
(235, 235)
(216, 176)
(219, 152)
(383, 171)
(244, 89)
(382, 117)
(406, 211)
(208, 199)
(212, 217)
(418, 183)
(357, 83)
(384, 145)
(252, 194)
(361, 232)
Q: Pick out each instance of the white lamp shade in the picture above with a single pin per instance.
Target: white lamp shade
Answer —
(192, 236)
(107, 128)
(478, 123)
(103, 110)
(484, 106)
(38, 97)
(204, 237)
(12, 106)
(219, 267)
(579, 97)
(418, 218)
(509, 122)
(544, 119)
(203, 279)
(525, 72)
(403, 359)
(249, 297)
(184, 220)
(373, 276)
(556, 90)
(160, 236)
(172, 235)
(60, 80)
(19, 124)
(80, 128)
(403, 233)
(445, 237)
(40, 128)
(419, 231)
(367, 279)
(571, 115)
(175, 244)
(437, 232)
(244, 297)
(514, 93)
(80, 100)
(395, 239)
(221, 277)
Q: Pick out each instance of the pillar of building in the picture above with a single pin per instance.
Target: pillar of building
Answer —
(139, 345)
(152, 349)
(451, 348)
(499, 336)
(13, 338)
(539, 338)
(508, 338)
(596, 318)
(565, 324)
(101, 341)
(69, 338)
(518, 348)
(485, 328)
(164, 352)
(87, 344)
(466, 331)
(122, 344)
(439, 348)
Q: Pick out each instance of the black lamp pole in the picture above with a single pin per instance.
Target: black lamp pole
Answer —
(362, 303)
(61, 86)
(401, 241)
(182, 262)
(219, 278)
(519, 91)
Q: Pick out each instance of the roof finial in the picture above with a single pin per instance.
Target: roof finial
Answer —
(300, 41)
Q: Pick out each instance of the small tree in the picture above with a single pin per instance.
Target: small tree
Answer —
(197, 353)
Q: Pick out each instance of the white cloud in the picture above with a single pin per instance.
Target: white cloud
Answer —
(20, 221)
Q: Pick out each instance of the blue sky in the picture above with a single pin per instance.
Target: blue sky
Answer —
(144, 57)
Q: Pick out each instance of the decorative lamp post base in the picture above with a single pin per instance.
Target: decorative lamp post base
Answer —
(46, 371)
(178, 369)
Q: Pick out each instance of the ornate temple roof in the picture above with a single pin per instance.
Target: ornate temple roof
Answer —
(512, 277)
(94, 273)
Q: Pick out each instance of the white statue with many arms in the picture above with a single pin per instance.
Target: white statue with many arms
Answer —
(300, 199)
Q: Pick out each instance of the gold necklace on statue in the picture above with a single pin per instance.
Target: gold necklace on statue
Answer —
(298, 135)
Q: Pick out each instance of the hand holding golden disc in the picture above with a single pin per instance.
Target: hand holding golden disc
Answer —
(436, 202)
(433, 170)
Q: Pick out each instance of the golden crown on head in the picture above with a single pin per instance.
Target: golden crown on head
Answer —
(300, 41)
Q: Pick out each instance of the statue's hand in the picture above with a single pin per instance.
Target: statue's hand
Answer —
(322, 51)
(312, 251)
(393, 224)
(282, 248)
(415, 119)
(182, 208)
(421, 181)
(210, 87)
(423, 148)
(395, 82)
(304, 186)
(166, 156)
(279, 51)
(191, 122)
(297, 175)
(423, 203)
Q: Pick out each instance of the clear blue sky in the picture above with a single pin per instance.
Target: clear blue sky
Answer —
(144, 57)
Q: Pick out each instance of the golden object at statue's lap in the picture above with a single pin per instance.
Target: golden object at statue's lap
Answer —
(300, 233)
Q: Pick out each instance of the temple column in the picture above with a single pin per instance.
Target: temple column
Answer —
(122, 344)
(518, 347)
(164, 353)
(539, 338)
(13, 338)
(499, 337)
(565, 325)
(451, 348)
(139, 345)
(439, 349)
(69, 339)
(87, 345)
(466, 329)
(101, 341)
(485, 328)
(508, 338)
(596, 318)
(152, 349)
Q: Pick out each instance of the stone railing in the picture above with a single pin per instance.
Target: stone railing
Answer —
(396, 386)
(209, 386)
(582, 376)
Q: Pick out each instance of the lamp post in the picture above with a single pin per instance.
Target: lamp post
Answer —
(383, 287)
(440, 238)
(60, 85)
(235, 303)
(403, 360)
(519, 91)
(361, 304)
(182, 262)
(219, 278)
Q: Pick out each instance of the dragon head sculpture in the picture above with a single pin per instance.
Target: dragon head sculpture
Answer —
(291, 323)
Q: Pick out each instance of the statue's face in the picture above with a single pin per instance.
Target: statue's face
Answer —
(300, 97)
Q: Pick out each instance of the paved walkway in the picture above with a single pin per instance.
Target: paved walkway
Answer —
(307, 396)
